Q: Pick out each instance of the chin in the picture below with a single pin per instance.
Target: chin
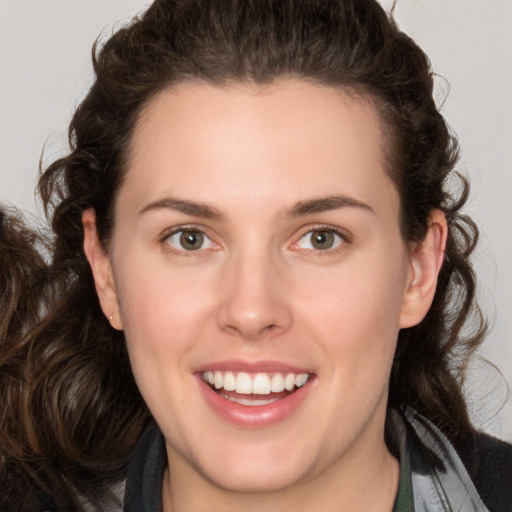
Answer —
(256, 479)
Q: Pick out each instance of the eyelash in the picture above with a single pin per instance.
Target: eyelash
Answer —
(164, 240)
(344, 239)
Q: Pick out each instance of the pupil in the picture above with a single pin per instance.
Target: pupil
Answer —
(191, 240)
(322, 239)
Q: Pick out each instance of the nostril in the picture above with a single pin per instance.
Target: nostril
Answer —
(253, 315)
(251, 332)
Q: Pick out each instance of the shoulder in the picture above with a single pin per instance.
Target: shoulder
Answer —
(489, 463)
(143, 485)
(474, 475)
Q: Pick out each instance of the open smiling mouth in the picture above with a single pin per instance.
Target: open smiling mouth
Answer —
(254, 389)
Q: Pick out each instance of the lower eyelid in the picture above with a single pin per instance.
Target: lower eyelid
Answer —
(343, 238)
(164, 239)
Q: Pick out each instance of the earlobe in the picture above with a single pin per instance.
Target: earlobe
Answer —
(426, 260)
(101, 269)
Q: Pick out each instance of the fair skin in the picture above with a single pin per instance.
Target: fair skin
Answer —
(257, 232)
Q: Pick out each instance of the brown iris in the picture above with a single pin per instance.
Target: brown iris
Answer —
(322, 239)
(191, 240)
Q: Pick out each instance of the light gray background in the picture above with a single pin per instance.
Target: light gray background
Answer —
(45, 70)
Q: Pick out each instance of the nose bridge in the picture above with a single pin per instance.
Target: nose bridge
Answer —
(253, 301)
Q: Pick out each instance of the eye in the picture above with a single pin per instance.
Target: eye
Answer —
(189, 240)
(320, 240)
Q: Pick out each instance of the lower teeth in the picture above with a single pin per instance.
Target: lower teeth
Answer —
(248, 401)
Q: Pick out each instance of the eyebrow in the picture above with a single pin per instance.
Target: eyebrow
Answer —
(323, 204)
(192, 208)
(300, 209)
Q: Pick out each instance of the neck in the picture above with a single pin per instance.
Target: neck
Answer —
(364, 480)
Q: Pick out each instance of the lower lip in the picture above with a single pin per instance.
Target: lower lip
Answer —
(254, 416)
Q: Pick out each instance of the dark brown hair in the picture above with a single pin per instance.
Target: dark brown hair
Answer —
(71, 410)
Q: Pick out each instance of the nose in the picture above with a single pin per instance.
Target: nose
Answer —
(254, 302)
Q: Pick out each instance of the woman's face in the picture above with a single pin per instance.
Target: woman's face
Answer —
(257, 249)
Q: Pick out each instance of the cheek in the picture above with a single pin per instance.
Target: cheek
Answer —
(354, 313)
(162, 309)
(355, 298)
(163, 321)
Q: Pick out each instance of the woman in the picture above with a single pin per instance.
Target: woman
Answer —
(250, 299)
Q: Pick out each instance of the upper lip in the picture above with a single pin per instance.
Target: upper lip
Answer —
(237, 365)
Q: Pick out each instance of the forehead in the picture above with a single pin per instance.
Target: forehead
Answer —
(290, 138)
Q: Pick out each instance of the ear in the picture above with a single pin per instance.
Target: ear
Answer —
(426, 259)
(101, 269)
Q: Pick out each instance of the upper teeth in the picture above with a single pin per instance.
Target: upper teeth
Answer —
(257, 384)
